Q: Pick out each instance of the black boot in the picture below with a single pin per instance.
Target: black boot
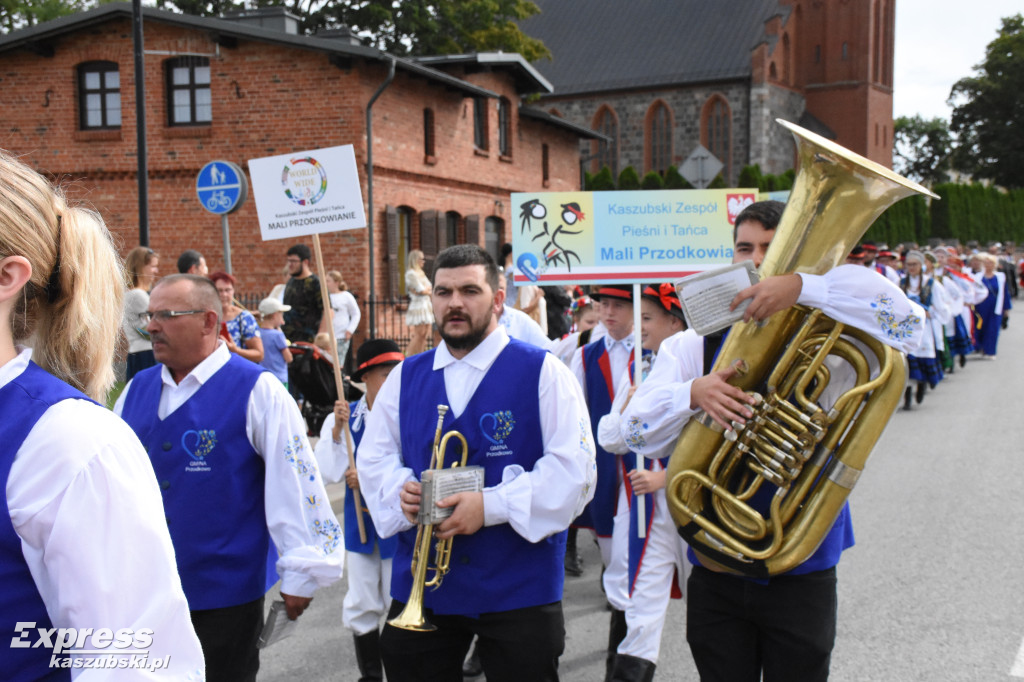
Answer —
(616, 633)
(907, 397)
(632, 669)
(920, 391)
(368, 657)
(963, 360)
(573, 561)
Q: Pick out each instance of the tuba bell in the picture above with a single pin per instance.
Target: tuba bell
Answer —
(812, 458)
(411, 617)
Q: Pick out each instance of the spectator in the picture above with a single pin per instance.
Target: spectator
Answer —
(344, 313)
(276, 355)
(141, 266)
(191, 262)
(419, 317)
(558, 302)
(302, 293)
(238, 326)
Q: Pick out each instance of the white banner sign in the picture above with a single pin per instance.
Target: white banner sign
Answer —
(307, 192)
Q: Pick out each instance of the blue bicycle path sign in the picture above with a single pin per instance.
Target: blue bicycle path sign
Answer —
(221, 187)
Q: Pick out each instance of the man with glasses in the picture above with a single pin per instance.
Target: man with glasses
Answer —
(306, 318)
(235, 469)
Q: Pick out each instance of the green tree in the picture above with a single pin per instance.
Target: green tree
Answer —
(602, 181)
(629, 179)
(652, 180)
(921, 149)
(987, 112)
(15, 14)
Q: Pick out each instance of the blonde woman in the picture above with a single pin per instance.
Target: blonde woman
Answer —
(78, 488)
(141, 267)
(419, 317)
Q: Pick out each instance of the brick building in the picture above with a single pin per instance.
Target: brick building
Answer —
(658, 77)
(450, 140)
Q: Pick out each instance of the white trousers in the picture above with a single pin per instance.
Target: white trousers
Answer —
(645, 611)
(615, 554)
(369, 591)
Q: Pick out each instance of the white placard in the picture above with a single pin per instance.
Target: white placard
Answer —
(307, 192)
(705, 297)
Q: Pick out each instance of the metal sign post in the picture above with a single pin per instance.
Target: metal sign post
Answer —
(222, 189)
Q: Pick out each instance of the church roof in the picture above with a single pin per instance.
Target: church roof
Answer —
(601, 45)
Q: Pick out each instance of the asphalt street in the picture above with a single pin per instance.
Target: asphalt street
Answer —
(933, 589)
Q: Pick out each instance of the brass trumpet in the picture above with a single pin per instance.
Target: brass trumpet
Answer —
(411, 617)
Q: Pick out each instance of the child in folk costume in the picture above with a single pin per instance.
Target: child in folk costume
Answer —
(923, 364)
(989, 313)
(655, 565)
(596, 366)
(369, 563)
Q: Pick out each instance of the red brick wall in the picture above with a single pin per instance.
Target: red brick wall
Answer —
(268, 99)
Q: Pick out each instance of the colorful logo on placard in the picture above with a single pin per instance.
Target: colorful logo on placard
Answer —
(734, 203)
(304, 181)
(551, 237)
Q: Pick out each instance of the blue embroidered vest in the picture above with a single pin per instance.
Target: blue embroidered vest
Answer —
(352, 544)
(495, 569)
(599, 513)
(22, 402)
(212, 481)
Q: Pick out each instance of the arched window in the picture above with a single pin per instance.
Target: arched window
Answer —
(716, 131)
(659, 137)
(607, 153)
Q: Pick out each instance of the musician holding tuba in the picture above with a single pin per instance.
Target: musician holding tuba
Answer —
(782, 625)
(521, 415)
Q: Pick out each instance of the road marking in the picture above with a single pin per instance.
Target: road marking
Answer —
(1018, 664)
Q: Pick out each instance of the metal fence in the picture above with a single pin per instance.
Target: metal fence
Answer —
(389, 318)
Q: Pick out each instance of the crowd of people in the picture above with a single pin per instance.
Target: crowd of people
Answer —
(205, 467)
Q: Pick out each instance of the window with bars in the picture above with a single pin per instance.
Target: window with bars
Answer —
(189, 99)
(99, 96)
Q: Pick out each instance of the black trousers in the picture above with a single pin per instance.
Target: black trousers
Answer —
(229, 637)
(738, 628)
(514, 646)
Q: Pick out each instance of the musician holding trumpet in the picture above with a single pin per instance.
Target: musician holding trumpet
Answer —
(493, 568)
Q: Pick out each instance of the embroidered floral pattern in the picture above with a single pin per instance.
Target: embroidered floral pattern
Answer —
(896, 330)
(292, 453)
(329, 532)
(312, 502)
(505, 423)
(635, 440)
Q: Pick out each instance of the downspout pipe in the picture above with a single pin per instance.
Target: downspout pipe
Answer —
(369, 192)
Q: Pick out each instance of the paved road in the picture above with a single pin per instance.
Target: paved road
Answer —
(933, 590)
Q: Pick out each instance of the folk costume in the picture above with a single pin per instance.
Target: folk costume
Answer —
(988, 314)
(792, 616)
(68, 461)
(523, 417)
(369, 563)
(596, 366)
(923, 364)
(234, 474)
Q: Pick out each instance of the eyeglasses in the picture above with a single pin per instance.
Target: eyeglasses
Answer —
(164, 315)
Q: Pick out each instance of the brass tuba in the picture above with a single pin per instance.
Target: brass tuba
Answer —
(411, 617)
(811, 457)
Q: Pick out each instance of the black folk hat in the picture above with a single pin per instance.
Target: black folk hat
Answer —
(374, 353)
